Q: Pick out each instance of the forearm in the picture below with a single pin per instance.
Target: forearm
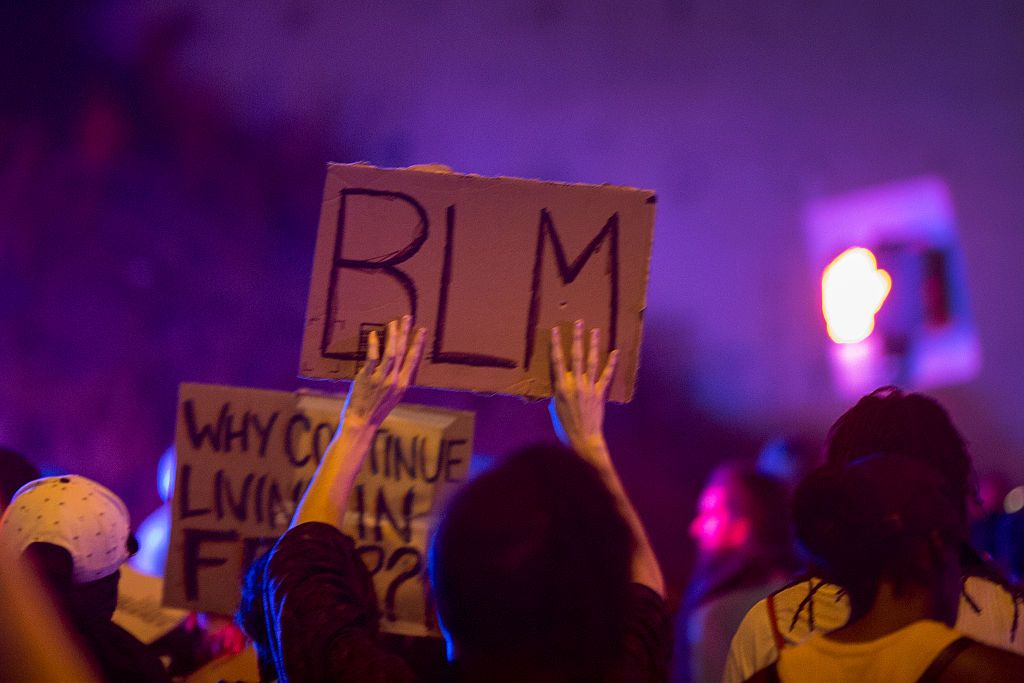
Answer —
(646, 569)
(326, 498)
(377, 388)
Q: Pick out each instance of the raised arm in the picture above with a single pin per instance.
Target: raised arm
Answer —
(377, 388)
(577, 413)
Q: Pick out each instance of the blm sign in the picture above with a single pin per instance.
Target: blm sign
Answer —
(487, 265)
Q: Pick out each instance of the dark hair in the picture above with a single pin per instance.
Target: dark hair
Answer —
(890, 421)
(15, 471)
(865, 522)
(530, 566)
(251, 616)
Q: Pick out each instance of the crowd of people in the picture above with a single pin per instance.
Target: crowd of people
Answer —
(541, 569)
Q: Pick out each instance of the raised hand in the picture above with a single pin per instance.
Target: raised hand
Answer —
(577, 412)
(377, 388)
(381, 382)
(577, 406)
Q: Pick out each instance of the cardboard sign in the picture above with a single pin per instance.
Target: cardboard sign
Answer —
(487, 265)
(923, 335)
(138, 606)
(245, 457)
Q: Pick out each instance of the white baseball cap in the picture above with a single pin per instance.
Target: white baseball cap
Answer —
(85, 518)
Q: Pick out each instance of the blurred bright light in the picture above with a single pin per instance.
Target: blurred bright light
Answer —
(853, 290)
(1014, 500)
(165, 471)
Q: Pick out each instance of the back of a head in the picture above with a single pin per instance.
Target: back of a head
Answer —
(76, 534)
(760, 498)
(866, 522)
(890, 421)
(82, 517)
(530, 564)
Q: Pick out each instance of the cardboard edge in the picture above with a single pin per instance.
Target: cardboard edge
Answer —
(651, 199)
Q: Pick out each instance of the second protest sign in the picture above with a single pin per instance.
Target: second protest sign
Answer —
(246, 456)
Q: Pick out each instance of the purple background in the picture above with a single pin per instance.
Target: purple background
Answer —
(161, 168)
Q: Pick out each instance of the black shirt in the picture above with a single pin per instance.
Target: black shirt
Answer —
(322, 617)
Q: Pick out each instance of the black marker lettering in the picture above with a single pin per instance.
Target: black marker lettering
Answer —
(401, 463)
(384, 265)
(222, 490)
(449, 460)
(383, 510)
(258, 502)
(411, 572)
(438, 355)
(206, 432)
(289, 439)
(193, 561)
(430, 479)
(241, 435)
(263, 431)
(185, 509)
(569, 272)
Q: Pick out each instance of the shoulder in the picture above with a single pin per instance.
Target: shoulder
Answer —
(753, 646)
(312, 546)
(648, 643)
(990, 612)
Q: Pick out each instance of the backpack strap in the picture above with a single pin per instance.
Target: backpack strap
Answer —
(769, 674)
(944, 659)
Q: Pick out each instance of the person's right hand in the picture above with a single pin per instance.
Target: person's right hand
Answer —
(381, 382)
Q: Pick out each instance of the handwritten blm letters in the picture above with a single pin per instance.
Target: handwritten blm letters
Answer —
(487, 265)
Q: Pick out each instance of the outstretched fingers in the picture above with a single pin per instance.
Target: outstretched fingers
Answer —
(401, 343)
(577, 349)
(388, 362)
(604, 384)
(412, 359)
(557, 355)
(593, 355)
(372, 354)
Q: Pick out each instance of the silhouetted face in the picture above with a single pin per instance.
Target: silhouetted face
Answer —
(718, 526)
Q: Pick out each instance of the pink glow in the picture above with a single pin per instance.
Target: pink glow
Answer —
(716, 527)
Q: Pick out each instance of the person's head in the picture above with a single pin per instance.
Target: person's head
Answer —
(76, 533)
(530, 567)
(882, 518)
(15, 471)
(739, 508)
(890, 421)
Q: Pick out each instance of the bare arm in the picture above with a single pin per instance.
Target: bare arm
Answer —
(577, 412)
(377, 389)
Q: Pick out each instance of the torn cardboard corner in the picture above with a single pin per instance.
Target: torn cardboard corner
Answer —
(245, 458)
(139, 609)
(487, 265)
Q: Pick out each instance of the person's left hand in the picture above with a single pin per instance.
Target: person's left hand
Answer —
(577, 406)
